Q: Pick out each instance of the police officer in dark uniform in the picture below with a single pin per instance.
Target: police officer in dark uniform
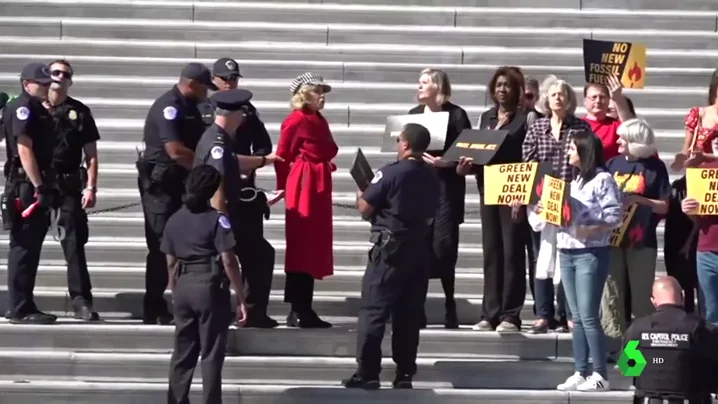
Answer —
(680, 349)
(216, 148)
(172, 129)
(30, 185)
(255, 252)
(200, 287)
(77, 134)
(400, 203)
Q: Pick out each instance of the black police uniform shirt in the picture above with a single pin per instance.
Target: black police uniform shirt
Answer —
(647, 177)
(215, 148)
(405, 196)
(75, 127)
(171, 118)
(252, 138)
(211, 235)
(27, 116)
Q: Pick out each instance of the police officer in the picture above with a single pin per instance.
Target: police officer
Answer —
(216, 148)
(400, 202)
(680, 349)
(255, 252)
(77, 135)
(29, 179)
(172, 129)
(200, 287)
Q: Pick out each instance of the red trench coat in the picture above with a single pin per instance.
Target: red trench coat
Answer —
(307, 146)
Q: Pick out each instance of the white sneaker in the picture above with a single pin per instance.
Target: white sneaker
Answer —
(595, 382)
(571, 383)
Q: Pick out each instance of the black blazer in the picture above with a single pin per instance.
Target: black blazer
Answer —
(453, 185)
(510, 151)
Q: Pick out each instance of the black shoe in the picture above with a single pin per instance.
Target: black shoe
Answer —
(451, 320)
(540, 328)
(403, 381)
(34, 318)
(85, 313)
(260, 322)
(160, 319)
(9, 314)
(355, 382)
(309, 320)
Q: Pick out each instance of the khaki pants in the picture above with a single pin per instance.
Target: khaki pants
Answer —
(629, 268)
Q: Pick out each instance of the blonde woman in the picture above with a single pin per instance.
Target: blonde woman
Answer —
(304, 179)
(433, 95)
(643, 179)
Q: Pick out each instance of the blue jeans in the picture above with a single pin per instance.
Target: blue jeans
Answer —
(543, 289)
(708, 283)
(584, 272)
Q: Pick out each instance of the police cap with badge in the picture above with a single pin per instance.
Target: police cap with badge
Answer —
(226, 68)
(35, 73)
(232, 100)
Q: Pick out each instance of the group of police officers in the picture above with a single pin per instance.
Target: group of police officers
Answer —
(218, 142)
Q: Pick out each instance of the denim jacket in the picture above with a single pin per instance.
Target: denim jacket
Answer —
(593, 202)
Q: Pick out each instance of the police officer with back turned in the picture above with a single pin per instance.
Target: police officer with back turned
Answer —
(201, 265)
(400, 203)
(255, 253)
(29, 178)
(172, 129)
(680, 349)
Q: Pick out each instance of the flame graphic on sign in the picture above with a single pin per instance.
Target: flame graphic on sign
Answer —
(539, 188)
(635, 74)
(636, 235)
(567, 212)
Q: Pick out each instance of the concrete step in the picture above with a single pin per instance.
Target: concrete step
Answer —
(121, 176)
(354, 113)
(346, 228)
(133, 250)
(82, 392)
(445, 372)
(426, 55)
(338, 341)
(133, 87)
(163, 29)
(128, 302)
(363, 14)
(343, 72)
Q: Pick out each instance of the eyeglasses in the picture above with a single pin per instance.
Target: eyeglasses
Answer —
(61, 73)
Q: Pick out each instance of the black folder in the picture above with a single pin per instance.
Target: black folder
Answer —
(361, 171)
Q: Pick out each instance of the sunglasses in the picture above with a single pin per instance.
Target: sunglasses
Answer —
(61, 73)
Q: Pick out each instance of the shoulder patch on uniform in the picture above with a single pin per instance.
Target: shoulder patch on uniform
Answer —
(22, 113)
(217, 152)
(377, 177)
(224, 222)
(170, 113)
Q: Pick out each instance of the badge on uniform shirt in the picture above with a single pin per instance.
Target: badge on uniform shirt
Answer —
(72, 115)
(224, 222)
(217, 152)
(22, 113)
(170, 113)
(377, 177)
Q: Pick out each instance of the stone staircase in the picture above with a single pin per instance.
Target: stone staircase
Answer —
(127, 52)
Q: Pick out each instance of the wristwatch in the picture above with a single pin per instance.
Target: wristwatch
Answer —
(93, 189)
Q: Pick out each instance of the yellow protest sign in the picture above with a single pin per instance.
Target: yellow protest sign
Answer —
(504, 183)
(625, 60)
(702, 185)
(554, 193)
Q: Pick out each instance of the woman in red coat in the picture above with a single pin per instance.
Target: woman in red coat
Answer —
(305, 180)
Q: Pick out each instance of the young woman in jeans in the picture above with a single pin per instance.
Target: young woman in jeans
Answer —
(584, 257)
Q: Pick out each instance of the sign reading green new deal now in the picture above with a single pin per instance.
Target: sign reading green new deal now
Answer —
(631, 362)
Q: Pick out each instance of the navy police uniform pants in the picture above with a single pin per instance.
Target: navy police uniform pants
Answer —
(26, 240)
(394, 290)
(202, 317)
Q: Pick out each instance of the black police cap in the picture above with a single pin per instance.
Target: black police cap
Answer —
(199, 73)
(231, 100)
(226, 68)
(36, 72)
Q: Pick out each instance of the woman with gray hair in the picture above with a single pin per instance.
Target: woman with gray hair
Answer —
(644, 181)
(548, 140)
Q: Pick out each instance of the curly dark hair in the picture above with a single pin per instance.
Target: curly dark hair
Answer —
(515, 77)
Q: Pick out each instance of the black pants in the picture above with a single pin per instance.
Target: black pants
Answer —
(445, 244)
(504, 250)
(684, 270)
(158, 206)
(392, 290)
(202, 316)
(533, 243)
(256, 256)
(26, 240)
(299, 292)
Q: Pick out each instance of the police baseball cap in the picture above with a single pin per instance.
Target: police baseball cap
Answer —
(199, 73)
(226, 68)
(231, 100)
(36, 72)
